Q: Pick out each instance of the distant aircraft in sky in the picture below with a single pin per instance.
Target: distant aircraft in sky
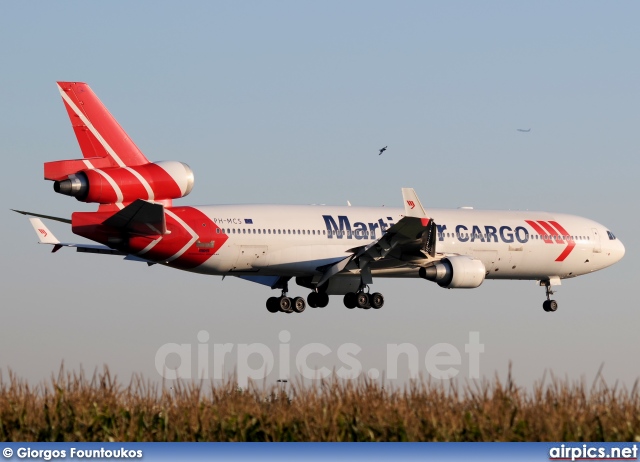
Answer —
(382, 150)
(524, 130)
(330, 250)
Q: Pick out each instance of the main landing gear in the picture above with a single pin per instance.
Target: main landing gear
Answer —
(364, 300)
(549, 305)
(286, 304)
(317, 299)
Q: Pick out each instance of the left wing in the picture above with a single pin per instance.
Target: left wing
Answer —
(411, 241)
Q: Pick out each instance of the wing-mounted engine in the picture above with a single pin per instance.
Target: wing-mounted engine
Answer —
(153, 182)
(456, 272)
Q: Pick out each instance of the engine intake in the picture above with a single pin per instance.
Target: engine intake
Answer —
(457, 272)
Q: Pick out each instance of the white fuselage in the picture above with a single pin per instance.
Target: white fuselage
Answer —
(296, 240)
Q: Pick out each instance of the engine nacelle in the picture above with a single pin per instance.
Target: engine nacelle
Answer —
(154, 182)
(458, 272)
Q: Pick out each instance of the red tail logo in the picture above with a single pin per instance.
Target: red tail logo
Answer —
(411, 204)
(43, 232)
(551, 232)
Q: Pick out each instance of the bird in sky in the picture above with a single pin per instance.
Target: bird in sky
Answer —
(382, 150)
(524, 130)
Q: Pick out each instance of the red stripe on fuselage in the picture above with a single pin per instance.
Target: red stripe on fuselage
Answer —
(539, 230)
(551, 230)
(207, 244)
(570, 242)
(557, 232)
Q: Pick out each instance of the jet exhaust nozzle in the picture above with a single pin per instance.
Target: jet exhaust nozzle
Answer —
(430, 273)
(76, 185)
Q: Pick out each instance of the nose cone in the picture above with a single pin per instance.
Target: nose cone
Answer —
(618, 251)
(614, 251)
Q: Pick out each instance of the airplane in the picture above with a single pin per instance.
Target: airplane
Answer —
(329, 250)
(527, 130)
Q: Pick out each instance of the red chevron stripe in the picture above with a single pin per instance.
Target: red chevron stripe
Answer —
(551, 230)
(539, 230)
(570, 242)
(561, 236)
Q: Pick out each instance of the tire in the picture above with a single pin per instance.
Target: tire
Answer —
(550, 306)
(362, 301)
(272, 305)
(350, 300)
(323, 300)
(312, 300)
(377, 300)
(284, 305)
(298, 305)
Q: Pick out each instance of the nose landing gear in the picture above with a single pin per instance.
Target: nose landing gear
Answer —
(549, 305)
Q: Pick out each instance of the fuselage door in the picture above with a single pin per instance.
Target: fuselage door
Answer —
(595, 235)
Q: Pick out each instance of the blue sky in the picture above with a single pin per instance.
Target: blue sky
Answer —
(289, 102)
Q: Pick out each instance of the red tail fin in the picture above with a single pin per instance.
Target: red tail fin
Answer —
(98, 133)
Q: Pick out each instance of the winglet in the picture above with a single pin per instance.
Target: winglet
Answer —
(412, 205)
(44, 235)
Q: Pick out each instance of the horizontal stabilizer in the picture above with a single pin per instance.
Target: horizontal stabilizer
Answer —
(102, 250)
(45, 236)
(140, 217)
(48, 217)
(61, 169)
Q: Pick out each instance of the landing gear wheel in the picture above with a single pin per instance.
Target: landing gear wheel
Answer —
(284, 304)
(377, 300)
(362, 301)
(323, 300)
(298, 305)
(272, 305)
(312, 299)
(350, 300)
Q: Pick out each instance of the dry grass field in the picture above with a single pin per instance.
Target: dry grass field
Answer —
(72, 407)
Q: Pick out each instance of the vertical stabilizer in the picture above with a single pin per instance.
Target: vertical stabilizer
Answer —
(99, 134)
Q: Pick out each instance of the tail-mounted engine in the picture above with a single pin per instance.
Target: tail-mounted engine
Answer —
(457, 272)
(153, 181)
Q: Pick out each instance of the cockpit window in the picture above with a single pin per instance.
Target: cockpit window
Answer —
(611, 236)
